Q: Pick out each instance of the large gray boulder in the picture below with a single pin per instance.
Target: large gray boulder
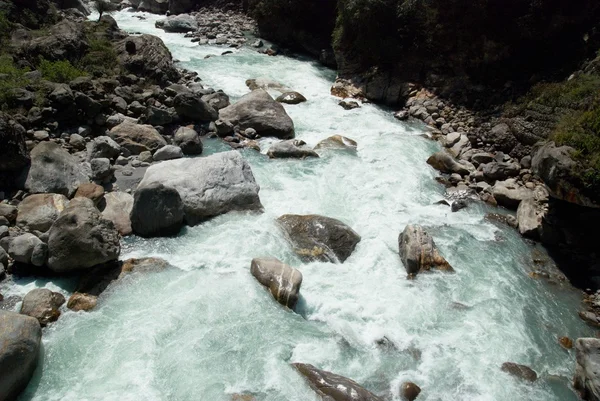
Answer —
(446, 163)
(332, 387)
(190, 106)
(13, 150)
(283, 281)
(509, 194)
(292, 148)
(81, 238)
(258, 110)
(42, 304)
(317, 237)
(531, 213)
(418, 251)
(587, 368)
(39, 211)
(54, 170)
(291, 98)
(137, 138)
(147, 55)
(168, 152)
(501, 170)
(188, 140)
(20, 339)
(28, 249)
(117, 208)
(103, 147)
(182, 23)
(157, 211)
(208, 186)
(218, 100)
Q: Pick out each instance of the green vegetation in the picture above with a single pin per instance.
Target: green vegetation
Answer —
(11, 78)
(60, 71)
(101, 57)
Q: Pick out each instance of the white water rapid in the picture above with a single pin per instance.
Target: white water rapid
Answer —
(208, 330)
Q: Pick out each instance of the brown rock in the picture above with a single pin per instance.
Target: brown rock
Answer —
(566, 342)
(409, 391)
(419, 252)
(43, 305)
(91, 191)
(520, 371)
(82, 302)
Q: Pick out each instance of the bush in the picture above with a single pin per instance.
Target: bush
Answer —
(59, 71)
(100, 59)
(13, 78)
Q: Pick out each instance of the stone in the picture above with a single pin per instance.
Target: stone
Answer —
(188, 140)
(144, 157)
(118, 206)
(501, 170)
(409, 391)
(587, 368)
(168, 152)
(54, 170)
(418, 251)
(520, 371)
(137, 138)
(565, 342)
(258, 110)
(9, 212)
(315, 237)
(445, 163)
(208, 186)
(190, 106)
(482, 158)
(218, 100)
(291, 98)
(157, 211)
(266, 84)
(77, 142)
(154, 6)
(332, 387)
(28, 249)
(349, 104)
(91, 191)
(508, 194)
(182, 23)
(38, 212)
(81, 238)
(43, 305)
(20, 340)
(337, 142)
(101, 170)
(13, 149)
(283, 281)
(531, 213)
(292, 148)
(82, 302)
(147, 56)
(157, 116)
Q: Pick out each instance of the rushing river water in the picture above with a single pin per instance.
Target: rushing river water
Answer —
(208, 330)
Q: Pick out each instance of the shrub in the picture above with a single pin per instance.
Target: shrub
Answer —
(100, 59)
(59, 71)
(12, 78)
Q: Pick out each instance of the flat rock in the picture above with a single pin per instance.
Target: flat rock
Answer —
(292, 148)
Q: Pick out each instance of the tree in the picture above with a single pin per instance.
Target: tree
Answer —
(104, 6)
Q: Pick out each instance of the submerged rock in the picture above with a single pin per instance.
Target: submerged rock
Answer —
(20, 339)
(317, 237)
(521, 371)
(418, 251)
(208, 186)
(43, 305)
(157, 211)
(283, 281)
(587, 368)
(337, 142)
(38, 212)
(291, 98)
(82, 302)
(332, 387)
(292, 148)
(258, 110)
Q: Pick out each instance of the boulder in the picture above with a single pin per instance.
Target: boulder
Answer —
(291, 98)
(292, 148)
(9, 212)
(77, 142)
(81, 238)
(168, 152)
(91, 191)
(14, 155)
(445, 163)
(320, 238)
(337, 142)
(64, 41)
(283, 281)
(501, 170)
(349, 104)
(28, 249)
(82, 302)
(190, 106)
(20, 340)
(154, 6)
(258, 110)
(418, 251)
(218, 100)
(208, 186)
(137, 138)
(188, 140)
(157, 211)
(182, 23)
(531, 213)
(102, 171)
(409, 391)
(159, 116)
(509, 194)
(146, 55)
(587, 368)
(43, 305)
(118, 206)
(103, 147)
(521, 371)
(266, 84)
(54, 170)
(37, 212)
(332, 387)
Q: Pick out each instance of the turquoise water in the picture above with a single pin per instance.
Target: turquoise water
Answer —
(207, 330)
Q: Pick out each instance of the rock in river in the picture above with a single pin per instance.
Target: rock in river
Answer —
(20, 338)
(81, 238)
(520, 371)
(157, 211)
(208, 186)
(587, 368)
(282, 280)
(258, 110)
(317, 237)
(445, 163)
(337, 142)
(291, 98)
(42, 304)
(292, 148)
(332, 387)
(418, 251)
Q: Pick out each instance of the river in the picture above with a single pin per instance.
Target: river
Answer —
(208, 330)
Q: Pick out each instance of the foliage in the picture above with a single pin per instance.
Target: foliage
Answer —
(12, 78)
(59, 71)
(100, 58)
